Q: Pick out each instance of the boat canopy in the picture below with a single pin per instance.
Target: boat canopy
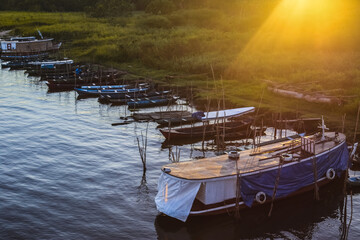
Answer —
(45, 63)
(32, 38)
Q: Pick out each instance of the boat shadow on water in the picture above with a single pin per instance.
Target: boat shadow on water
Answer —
(295, 217)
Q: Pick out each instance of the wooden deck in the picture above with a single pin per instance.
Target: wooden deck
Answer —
(250, 160)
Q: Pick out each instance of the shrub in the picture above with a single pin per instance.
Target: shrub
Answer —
(160, 7)
(154, 22)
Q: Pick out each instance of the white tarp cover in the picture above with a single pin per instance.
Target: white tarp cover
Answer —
(226, 113)
(175, 196)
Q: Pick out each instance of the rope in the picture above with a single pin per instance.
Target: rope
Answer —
(316, 187)
(275, 187)
(238, 188)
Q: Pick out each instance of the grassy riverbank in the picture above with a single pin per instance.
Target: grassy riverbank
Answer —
(242, 45)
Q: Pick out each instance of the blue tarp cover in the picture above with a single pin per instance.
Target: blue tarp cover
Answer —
(293, 177)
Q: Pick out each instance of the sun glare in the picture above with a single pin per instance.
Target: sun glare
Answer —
(302, 24)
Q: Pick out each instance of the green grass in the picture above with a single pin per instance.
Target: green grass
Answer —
(188, 44)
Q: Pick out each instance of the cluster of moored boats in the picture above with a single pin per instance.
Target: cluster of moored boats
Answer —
(269, 172)
(109, 85)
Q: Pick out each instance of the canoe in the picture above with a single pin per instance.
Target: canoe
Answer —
(138, 97)
(53, 86)
(204, 116)
(206, 130)
(250, 178)
(145, 103)
(105, 87)
(181, 120)
(151, 116)
(98, 92)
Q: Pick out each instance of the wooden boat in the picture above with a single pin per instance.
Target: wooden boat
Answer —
(206, 130)
(105, 87)
(66, 79)
(98, 92)
(203, 116)
(27, 48)
(13, 65)
(54, 86)
(122, 99)
(138, 97)
(152, 116)
(181, 120)
(148, 102)
(252, 177)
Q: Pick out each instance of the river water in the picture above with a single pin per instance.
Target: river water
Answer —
(66, 173)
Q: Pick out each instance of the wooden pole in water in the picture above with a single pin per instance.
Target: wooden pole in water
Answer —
(223, 91)
(343, 123)
(356, 125)
(275, 187)
(143, 147)
(275, 126)
(316, 187)
(217, 121)
(281, 129)
(238, 189)
(207, 114)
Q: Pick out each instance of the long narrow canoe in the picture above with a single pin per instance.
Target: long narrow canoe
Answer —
(143, 103)
(98, 92)
(105, 87)
(206, 130)
(138, 97)
(117, 98)
(204, 116)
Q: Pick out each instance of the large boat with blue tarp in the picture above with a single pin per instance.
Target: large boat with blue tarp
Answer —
(252, 177)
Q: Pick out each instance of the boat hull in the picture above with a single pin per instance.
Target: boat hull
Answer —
(200, 209)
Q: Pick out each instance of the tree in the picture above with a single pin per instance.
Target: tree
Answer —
(110, 8)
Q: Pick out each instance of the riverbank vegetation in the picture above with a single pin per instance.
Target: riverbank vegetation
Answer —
(310, 45)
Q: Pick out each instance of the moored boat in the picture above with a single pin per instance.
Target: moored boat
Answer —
(151, 102)
(98, 92)
(251, 177)
(105, 87)
(208, 129)
(190, 118)
(21, 48)
(136, 97)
